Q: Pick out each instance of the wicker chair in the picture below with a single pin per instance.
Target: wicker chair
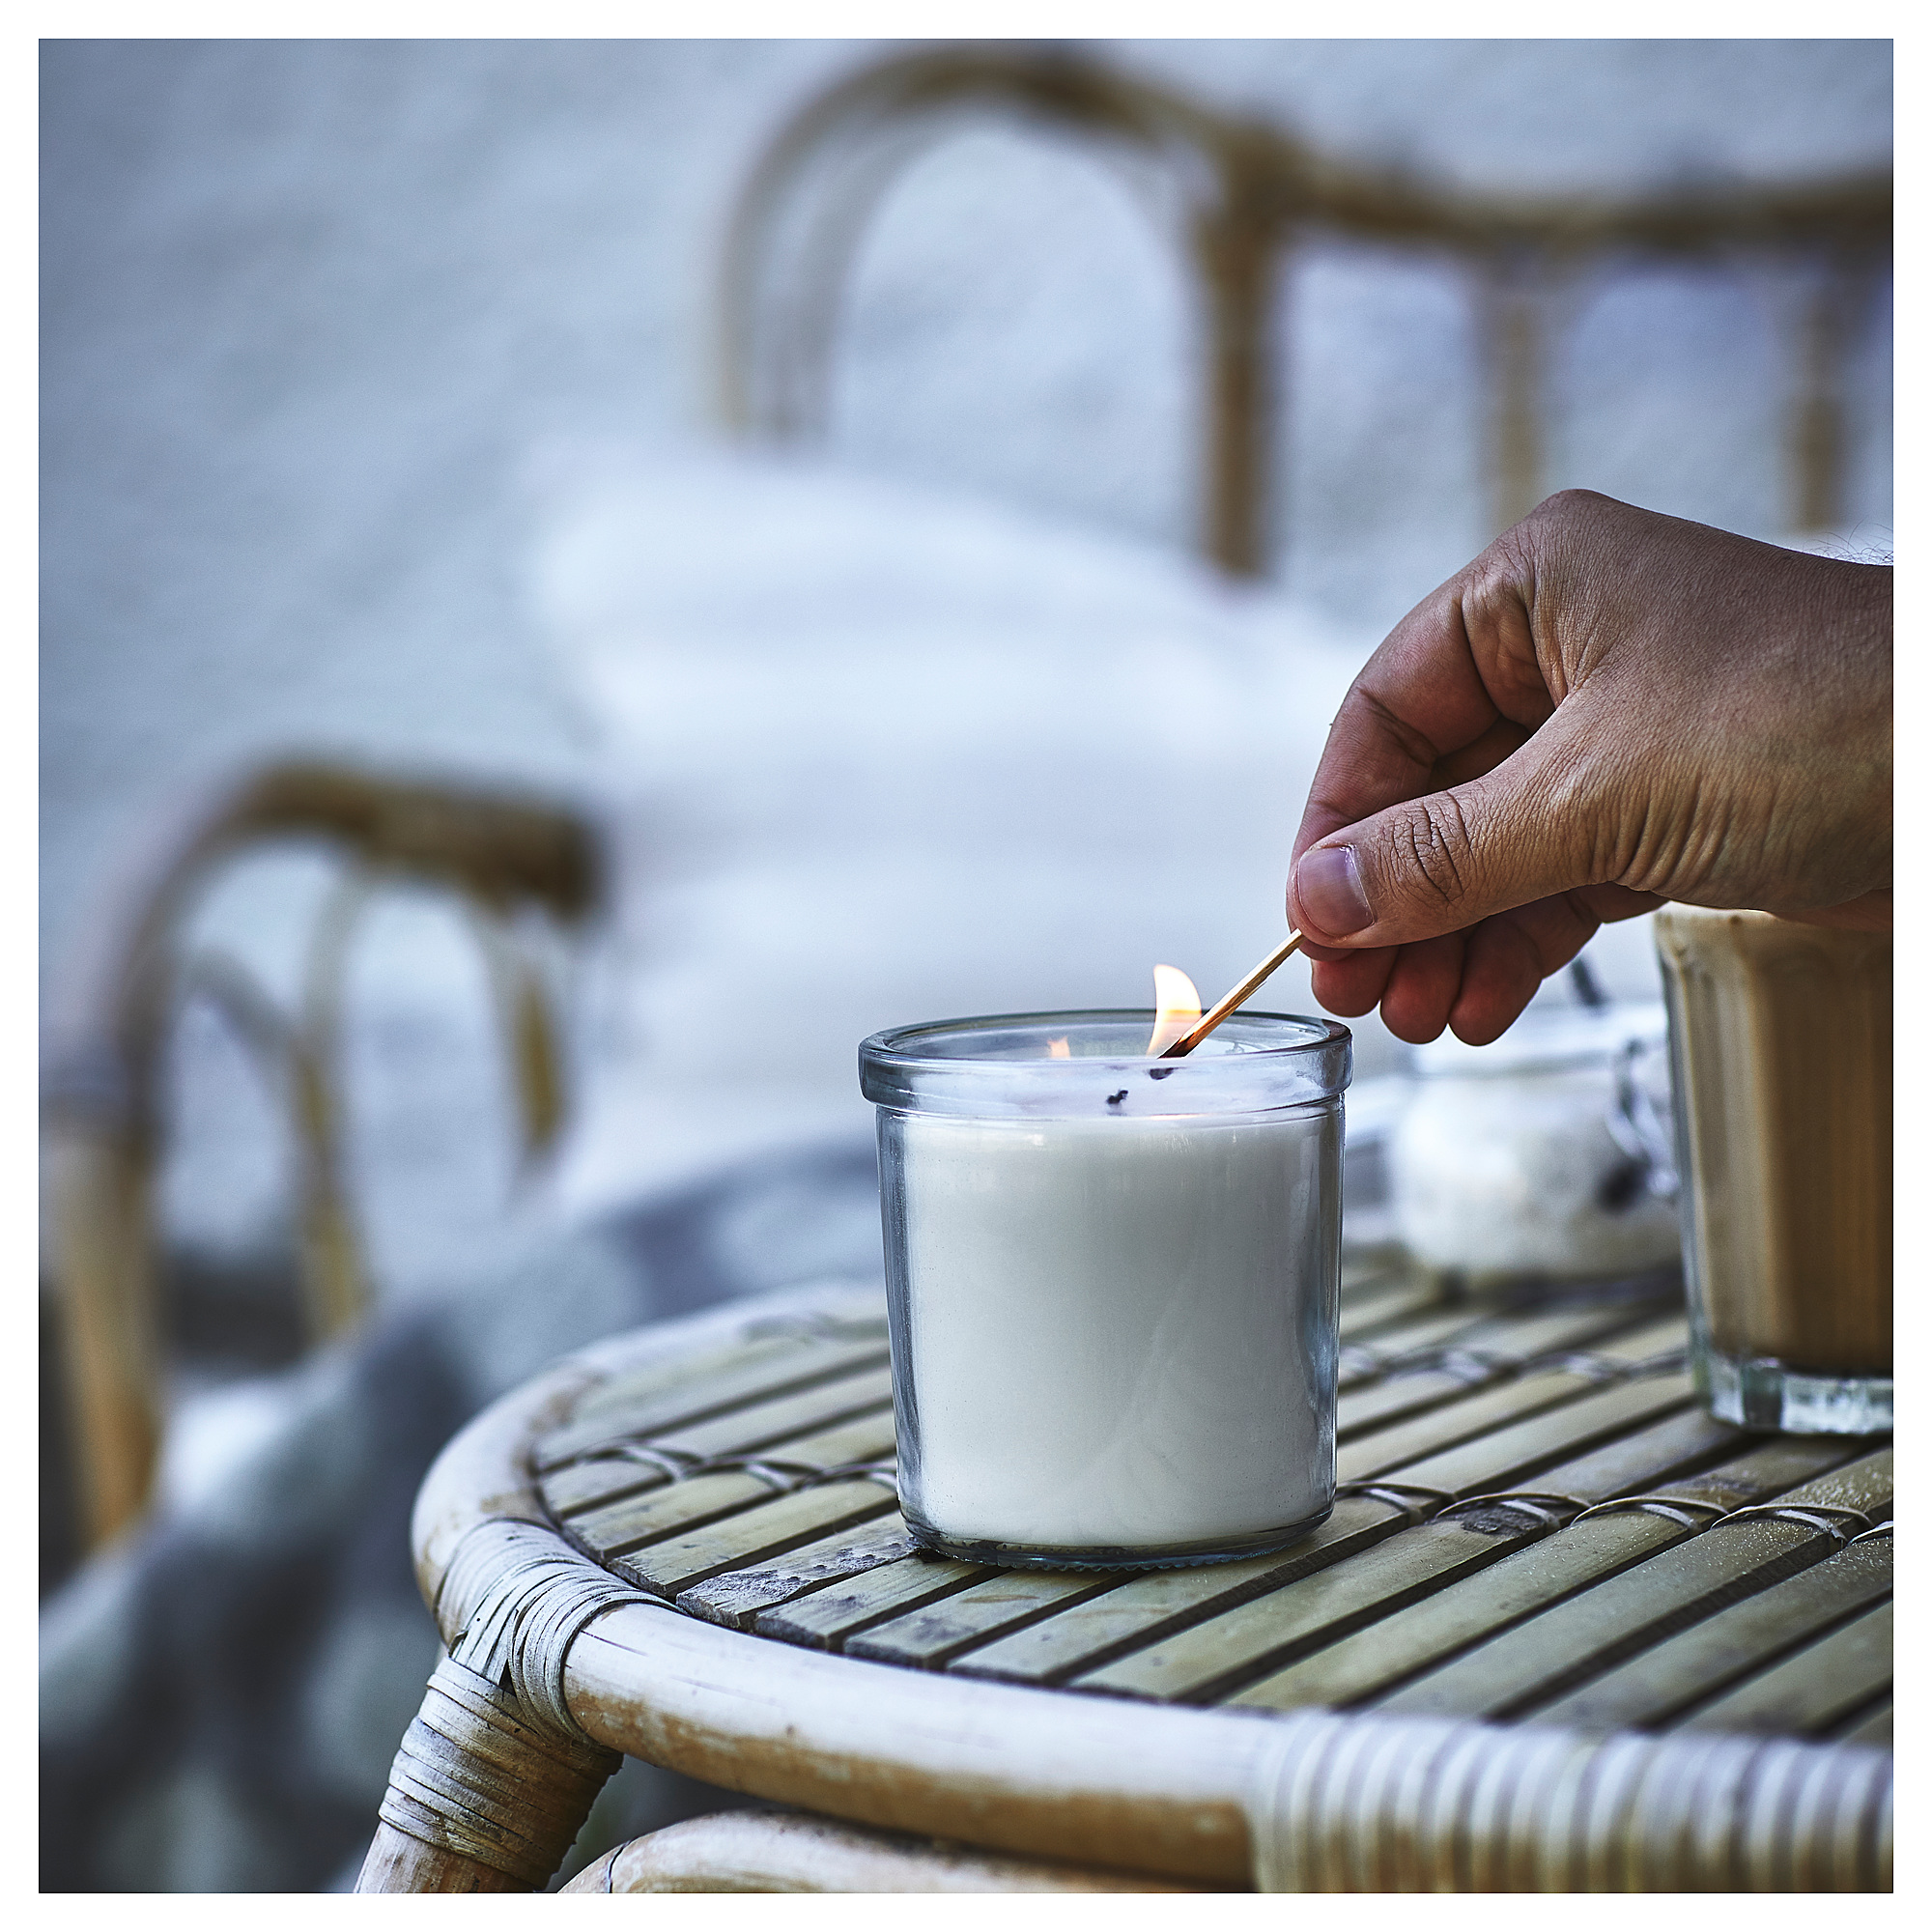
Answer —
(503, 855)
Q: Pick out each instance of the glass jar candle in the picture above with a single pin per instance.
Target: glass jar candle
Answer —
(1780, 1039)
(1545, 1156)
(1112, 1284)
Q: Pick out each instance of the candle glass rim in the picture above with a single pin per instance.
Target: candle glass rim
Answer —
(1310, 1066)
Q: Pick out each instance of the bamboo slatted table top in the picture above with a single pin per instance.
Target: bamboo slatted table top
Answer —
(1537, 1522)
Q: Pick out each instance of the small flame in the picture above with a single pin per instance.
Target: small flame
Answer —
(1058, 1049)
(1177, 1006)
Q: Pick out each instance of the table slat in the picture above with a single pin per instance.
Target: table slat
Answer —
(1392, 1399)
(1522, 1335)
(826, 1618)
(1516, 1452)
(1484, 1411)
(737, 1597)
(1210, 1659)
(1671, 1676)
(688, 1377)
(1142, 1608)
(578, 1487)
(1415, 1637)
(1547, 1655)
(1816, 1689)
(1874, 1728)
(660, 1397)
(1650, 1451)
(1371, 1351)
(664, 1509)
(626, 1526)
(596, 1481)
(1001, 1602)
(1474, 1414)
(741, 1430)
(677, 1562)
(1380, 1293)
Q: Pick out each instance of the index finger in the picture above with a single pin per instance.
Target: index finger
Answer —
(1459, 666)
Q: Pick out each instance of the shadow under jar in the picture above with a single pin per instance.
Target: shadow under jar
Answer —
(1112, 1282)
(1780, 1039)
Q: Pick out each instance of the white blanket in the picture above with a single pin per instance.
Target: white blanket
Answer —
(883, 755)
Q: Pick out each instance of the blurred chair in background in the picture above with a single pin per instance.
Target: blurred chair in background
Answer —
(1249, 193)
(506, 858)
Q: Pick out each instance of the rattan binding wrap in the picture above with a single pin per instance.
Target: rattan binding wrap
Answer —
(474, 1778)
(495, 1768)
(1367, 1804)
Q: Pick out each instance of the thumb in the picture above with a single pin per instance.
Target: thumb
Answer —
(1440, 862)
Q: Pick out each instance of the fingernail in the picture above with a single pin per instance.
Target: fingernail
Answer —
(1329, 889)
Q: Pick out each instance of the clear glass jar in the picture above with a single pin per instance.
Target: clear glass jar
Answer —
(1781, 1042)
(1544, 1155)
(1112, 1283)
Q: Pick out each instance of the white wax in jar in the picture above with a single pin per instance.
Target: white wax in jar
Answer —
(1505, 1175)
(1120, 1332)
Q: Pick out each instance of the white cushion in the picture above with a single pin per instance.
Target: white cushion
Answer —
(883, 755)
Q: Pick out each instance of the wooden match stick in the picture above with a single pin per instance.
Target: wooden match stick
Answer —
(1225, 1006)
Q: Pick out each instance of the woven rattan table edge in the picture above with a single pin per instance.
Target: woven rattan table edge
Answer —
(1163, 1789)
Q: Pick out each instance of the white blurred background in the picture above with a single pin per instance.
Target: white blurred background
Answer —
(379, 420)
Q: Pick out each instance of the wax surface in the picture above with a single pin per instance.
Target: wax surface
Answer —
(1117, 1332)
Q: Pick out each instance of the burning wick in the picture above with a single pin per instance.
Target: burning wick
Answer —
(1058, 1049)
(1180, 1025)
(1177, 1008)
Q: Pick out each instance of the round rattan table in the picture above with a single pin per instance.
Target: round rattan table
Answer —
(1563, 1632)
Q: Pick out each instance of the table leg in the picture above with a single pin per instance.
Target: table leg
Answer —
(480, 1798)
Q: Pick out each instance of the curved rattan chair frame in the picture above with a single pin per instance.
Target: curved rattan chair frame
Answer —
(1250, 190)
(501, 854)
(790, 1851)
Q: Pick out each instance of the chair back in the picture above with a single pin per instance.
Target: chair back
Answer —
(506, 856)
(1253, 192)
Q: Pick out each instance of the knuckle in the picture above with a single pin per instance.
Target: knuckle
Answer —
(1434, 852)
(1557, 521)
(1571, 503)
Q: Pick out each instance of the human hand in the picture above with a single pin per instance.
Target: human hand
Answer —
(1606, 709)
